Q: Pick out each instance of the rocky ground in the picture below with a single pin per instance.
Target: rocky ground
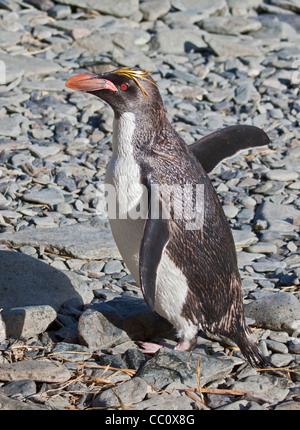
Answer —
(71, 312)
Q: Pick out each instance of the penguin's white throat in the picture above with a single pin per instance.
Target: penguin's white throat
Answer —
(124, 171)
(123, 133)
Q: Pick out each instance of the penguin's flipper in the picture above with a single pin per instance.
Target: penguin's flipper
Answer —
(155, 238)
(212, 149)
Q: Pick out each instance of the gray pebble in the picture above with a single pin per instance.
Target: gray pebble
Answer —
(36, 370)
(281, 360)
(19, 389)
(113, 266)
(262, 388)
(276, 346)
(28, 321)
(294, 346)
(60, 11)
(268, 266)
(230, 211)
(47, 196)
(282, 175)
(130, 392)
(263, 247)
(277, 311)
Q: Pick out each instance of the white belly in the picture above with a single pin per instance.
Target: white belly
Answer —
(127, 223)
(170, 296)
(123, 173)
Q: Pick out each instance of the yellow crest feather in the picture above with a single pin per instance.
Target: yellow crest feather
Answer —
(136, 75)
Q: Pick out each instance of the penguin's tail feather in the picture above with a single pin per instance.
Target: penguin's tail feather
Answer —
(251, 351)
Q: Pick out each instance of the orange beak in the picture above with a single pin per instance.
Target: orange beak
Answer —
(90, 83)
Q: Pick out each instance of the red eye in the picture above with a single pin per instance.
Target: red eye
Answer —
(124, 87)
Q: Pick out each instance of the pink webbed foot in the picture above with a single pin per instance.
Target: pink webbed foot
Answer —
(185, 345)
(151, 348)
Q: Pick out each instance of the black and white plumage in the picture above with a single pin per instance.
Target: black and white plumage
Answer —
(189, 276)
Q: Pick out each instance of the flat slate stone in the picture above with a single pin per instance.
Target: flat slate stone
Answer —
(231, 46)
(36, 370)
(271, 211)
(244, 238)
(232, 25)
(84, 241)
(47, 196)
(8, 404)
(178, 41)
(32, 66)
(169, 366)
(118, 320)
(27, 281)
(120, 9)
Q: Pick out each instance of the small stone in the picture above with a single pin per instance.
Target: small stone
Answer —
(70, 352)
(44, 151)
(245, 94)
(47, 196)
(64, 208)
(35, 370)
(178, 41)
(281, 226)
(261, 388)
(244, 238)
(263, 247)
(29, 250)
(154, 9)
(60, 11)
(282, 175)
(238, 405)
(294, 346)
(130, 392)
(275, 346)
(231, 46)
(28, 321)
(98, 332)
(41, 133)
(230, 211)
(106, 7)
(276, 311)
(33, 66)
(79, 205)
(271, 211)
(19, 389)
(268, 266)
(279, 336)
(276, 113)
(94, 269)
(113, 266)
(292, 247)
(7, 403)
(79, 33)
(10, 126)
(230, 25)
(281, 360)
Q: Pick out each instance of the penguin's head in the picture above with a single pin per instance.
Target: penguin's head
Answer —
(125, 90)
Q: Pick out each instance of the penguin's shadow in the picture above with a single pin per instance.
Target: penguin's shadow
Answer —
(27, 281)
(133, 315)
